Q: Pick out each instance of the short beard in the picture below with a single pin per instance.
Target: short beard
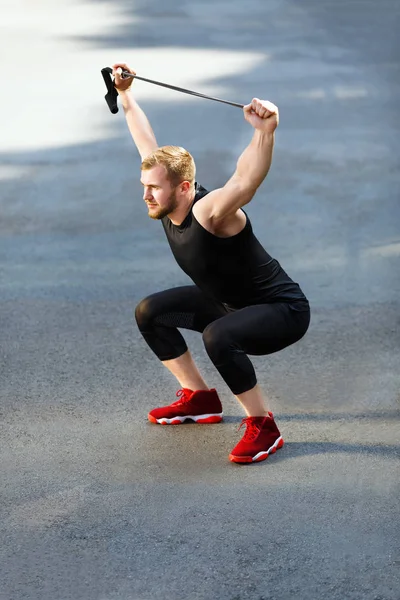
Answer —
(172, 204)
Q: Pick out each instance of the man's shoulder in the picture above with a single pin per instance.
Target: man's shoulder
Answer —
(228, 226)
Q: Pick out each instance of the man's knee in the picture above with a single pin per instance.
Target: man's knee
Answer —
(216, 341)
(145, 311)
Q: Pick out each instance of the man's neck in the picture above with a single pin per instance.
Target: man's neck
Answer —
(179, 214)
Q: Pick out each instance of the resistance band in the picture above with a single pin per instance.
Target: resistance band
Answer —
(112, 92)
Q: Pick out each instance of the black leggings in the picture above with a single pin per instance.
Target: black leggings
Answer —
(228, 334)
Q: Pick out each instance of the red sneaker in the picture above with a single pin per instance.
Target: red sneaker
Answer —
(201, 406)
(261, 438)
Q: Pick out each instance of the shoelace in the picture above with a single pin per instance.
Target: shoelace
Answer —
(252, 429)
(183, 397)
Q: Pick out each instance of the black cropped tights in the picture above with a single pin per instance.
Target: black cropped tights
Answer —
(228, 334)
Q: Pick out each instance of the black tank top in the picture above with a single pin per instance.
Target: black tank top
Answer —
(236, 271)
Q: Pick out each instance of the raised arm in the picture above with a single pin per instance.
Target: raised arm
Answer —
(254, 163)
(252, 167)
(138, 124)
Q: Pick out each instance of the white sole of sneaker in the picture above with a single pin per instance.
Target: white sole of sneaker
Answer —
(202, 419)
(261, 455)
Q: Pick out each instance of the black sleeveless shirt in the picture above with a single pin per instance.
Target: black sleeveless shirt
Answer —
(235, 271)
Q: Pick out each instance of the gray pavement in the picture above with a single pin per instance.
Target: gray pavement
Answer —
(97, 504)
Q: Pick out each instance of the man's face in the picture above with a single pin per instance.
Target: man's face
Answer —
(158, 194)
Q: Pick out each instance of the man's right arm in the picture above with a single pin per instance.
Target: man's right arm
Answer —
(138, 124)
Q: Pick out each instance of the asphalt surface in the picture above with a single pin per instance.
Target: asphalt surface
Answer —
(97, 504)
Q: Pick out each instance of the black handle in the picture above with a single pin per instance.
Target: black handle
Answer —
(112, 92)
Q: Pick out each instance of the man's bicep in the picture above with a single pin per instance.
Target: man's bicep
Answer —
(226, 201)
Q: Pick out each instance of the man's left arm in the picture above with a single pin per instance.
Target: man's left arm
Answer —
(252, 166)
(254, 163)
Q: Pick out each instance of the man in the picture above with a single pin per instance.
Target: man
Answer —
(242, 302)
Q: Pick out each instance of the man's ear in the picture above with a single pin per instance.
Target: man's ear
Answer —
(185, 186)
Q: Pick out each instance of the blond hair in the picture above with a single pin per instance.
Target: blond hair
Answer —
(178, 162)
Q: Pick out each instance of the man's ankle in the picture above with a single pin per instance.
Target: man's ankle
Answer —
(262, 413)
(203, 388)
